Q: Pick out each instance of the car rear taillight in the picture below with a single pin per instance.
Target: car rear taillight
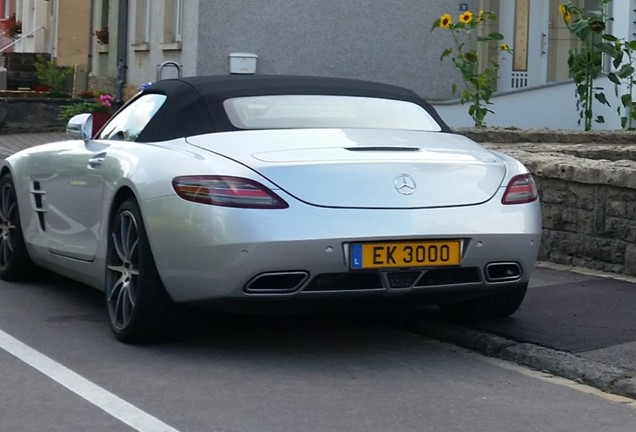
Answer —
(520, 190)
(227, 192)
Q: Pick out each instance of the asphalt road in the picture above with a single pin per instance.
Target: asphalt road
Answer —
(62, 370)
(265, 373)
(574, 323)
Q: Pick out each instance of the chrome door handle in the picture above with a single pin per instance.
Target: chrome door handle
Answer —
(96, 161)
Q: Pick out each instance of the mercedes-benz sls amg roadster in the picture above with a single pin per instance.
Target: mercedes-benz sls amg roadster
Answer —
(259, 189)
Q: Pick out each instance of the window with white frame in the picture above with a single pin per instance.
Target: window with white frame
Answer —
(142, 22)
(18, 9)
(102, 31)
(105, 11)
(7, 11)
(172, 21)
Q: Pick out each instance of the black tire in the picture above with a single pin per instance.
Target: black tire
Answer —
(15, 263)
(139, 308)
(500, 304)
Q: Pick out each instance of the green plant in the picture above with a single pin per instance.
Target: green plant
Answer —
(103, 103)
(479, 78)
(586, 61)
(50, 74)
(623, 54)
(14, 27)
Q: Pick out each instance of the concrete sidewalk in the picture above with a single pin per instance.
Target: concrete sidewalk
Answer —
(12, 143)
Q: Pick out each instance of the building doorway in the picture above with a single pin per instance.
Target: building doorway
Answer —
(540, 40)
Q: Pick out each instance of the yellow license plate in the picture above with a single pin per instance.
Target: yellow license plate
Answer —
(405, 254)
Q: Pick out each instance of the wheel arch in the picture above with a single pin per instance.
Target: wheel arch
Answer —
(152, 314)
(120, 196)
(16, 262)
(5, 170)
(124, 193)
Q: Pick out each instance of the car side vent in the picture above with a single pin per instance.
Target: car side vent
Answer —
(39, 197)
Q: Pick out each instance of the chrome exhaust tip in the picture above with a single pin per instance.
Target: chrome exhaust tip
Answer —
(503, 271)
(276, 283)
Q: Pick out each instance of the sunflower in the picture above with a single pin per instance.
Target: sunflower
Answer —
(466, 17)
(597, 25)
(567, 16)
(504, 47)
(481, 16)
(445, 21)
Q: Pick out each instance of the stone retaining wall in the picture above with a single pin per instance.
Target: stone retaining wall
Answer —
(588, 195)
(30, 114)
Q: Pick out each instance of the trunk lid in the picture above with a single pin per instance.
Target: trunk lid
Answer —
(366, 168)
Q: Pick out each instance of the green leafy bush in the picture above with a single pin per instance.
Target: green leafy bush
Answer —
(103, 103)
(52, 75)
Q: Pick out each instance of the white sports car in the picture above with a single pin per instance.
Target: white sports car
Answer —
(270, 189)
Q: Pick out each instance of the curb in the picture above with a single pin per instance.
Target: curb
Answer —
(610, 379)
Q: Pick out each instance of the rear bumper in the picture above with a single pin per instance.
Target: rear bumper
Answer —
(207, 253)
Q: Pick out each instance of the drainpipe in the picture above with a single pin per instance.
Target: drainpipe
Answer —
(122, 52)
(91, 28)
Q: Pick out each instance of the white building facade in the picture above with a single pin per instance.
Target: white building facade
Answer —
(380, 40)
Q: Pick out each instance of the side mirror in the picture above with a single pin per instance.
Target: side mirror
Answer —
(80, 127)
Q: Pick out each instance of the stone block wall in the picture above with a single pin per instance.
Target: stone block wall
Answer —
(588, 196)
(31, 114)
(591, 226)
(21, 69)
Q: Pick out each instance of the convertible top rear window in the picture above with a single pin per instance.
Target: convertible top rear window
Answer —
(203, 104)
(326, 111)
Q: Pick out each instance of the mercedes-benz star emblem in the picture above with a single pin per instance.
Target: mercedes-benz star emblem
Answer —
(404, 184)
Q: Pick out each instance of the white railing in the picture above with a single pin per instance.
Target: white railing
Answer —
(6, 47)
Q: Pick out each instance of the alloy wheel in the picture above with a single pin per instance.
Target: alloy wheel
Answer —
(7, 223)
(123, 270)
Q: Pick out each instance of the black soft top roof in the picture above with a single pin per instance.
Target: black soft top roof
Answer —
(195, 105)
